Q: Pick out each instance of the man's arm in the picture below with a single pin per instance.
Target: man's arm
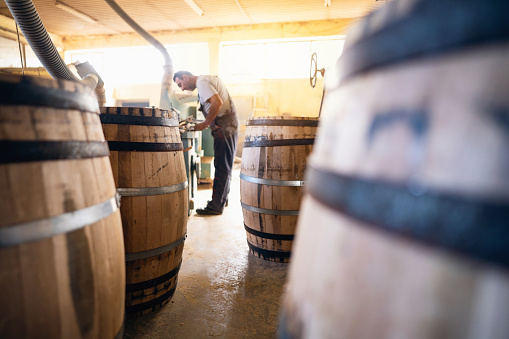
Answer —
(215, 105)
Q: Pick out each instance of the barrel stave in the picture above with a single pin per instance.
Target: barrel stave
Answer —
(272, 174)
(67, 285)
(149, 221)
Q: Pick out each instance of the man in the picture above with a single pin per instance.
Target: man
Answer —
(220, 114)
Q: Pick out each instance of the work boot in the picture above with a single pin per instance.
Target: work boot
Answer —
(207, 211)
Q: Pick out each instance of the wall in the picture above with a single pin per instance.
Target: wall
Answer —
(293, 96)
(215, 35)
(283, 96)
(132, 92)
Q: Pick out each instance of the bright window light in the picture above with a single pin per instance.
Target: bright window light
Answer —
(142, 65)
(287, 60)
(277, 59)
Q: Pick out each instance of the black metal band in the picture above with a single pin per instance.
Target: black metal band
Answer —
(268, 253)
(440, 26)
(153, 282)
(269, 235)
(280, 122)
(26, 92)
(274, 143)
(474, 227)
(151, 303)
(128, 146)
(118, 119)
(26, 151)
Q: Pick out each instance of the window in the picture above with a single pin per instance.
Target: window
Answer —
(142, 65)
(277, 59)
(9, 55)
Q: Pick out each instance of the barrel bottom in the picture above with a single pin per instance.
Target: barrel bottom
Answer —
(149, 295)
(270, 255)
(162, 297)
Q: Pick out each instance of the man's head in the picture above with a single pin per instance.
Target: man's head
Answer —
(185, 80)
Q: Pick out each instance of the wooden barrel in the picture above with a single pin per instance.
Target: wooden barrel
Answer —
(148, 167)
(61, 245)
(405, 230)
(272, 176)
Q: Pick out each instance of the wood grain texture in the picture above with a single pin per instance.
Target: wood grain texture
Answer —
(275, 163)
(69, 285)
(443, 122)
(149, 222)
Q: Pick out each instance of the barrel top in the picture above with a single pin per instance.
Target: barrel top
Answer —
(283, 121)
(140, 111)
(403, 30)
(285, 118)
(36, 91)
(70, 86)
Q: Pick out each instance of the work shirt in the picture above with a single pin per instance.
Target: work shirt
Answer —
(226, 119)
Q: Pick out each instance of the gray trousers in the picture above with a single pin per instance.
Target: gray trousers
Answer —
(224, 155)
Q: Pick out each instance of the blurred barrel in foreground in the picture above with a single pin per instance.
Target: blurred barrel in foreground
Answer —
(272, 177)
(61, 248)
(404, 231)
(148, 166)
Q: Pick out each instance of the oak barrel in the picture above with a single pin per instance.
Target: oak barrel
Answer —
(404, 231)
(148, 167)
(61, 245)
(272, 180)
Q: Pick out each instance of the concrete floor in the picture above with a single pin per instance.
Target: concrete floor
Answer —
(222, 291)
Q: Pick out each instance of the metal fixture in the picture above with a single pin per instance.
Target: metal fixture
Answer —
(313, 71)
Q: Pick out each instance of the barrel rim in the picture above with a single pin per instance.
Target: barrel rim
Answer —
(138, 112)
(28, 91)
(283, 122)
(115, 119)
(394, 41)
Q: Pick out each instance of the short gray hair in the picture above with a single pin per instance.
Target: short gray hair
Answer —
(179, 74)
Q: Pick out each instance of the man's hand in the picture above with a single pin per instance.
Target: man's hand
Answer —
(215, 105)
(201, 126)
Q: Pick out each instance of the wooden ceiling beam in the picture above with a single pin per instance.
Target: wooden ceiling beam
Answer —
(8, 31)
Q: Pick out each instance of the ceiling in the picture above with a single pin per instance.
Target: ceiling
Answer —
(171, 15)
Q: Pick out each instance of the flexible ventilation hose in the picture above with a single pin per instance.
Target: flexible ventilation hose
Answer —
(33, 29)
(168, 64)
(153, 41)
